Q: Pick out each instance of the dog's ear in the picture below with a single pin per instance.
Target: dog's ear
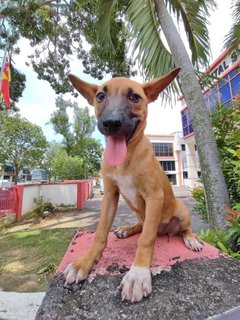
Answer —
(156, 86)
(86, 89)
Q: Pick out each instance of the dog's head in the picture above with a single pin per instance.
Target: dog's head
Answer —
(121, 109)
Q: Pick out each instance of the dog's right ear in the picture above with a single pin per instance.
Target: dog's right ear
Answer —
(87, 90)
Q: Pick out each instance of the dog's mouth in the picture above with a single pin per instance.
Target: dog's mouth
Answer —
(116, 148)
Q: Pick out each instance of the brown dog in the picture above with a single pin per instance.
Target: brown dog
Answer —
(130, 168)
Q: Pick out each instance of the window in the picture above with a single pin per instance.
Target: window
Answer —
(225, 94)
(172, 178)
(183, 146)
(186, 122)
(163, 149)
(185, 175)
(235, 83)
(168, 165)
(222, 91)
(199, 174)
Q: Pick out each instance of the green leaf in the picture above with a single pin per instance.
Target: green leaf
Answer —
(222, 247)
(106, 13)
(194, 16)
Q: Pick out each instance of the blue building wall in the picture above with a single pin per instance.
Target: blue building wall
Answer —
(222, 91)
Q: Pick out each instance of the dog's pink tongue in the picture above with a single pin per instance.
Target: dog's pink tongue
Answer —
(116, 150)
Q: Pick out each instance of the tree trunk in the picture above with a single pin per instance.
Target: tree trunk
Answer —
(213, 179)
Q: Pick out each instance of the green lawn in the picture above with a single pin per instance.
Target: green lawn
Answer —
(28, 259)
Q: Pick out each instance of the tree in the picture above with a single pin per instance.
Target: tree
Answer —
(65, 167)
(77, 139)
(17, 86)
(73, 133)
(147, 19)
(59, 29)
(21, 142)
(91, 153)
(233, 36)
(52, 150)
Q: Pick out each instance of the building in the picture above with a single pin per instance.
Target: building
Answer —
(224, 89)
(177, 152)
(178, 159)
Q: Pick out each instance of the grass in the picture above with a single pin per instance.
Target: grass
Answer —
(29, 259)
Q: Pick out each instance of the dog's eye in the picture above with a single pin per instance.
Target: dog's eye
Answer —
(100, 96)
(135, 98)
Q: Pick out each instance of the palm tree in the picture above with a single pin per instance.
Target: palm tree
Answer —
(232, 38)
(147, 19)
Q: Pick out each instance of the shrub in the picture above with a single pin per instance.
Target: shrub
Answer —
(65, 167)
(233, 231)
(227, 240)
(200, 208)
(225, 122)
(41, 206)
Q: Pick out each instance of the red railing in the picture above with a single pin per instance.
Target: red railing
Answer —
(8, 201)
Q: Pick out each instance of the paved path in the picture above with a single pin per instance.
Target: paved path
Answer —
(19, 306)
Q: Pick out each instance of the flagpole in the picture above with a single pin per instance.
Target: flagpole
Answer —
(3, 64)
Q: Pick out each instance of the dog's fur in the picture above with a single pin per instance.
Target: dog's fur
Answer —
(134, 172)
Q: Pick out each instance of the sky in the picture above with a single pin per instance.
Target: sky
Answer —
(38, 101)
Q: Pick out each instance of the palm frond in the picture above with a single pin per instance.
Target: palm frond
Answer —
(232, 38)
(194, 16)
(106, 10)
(153, 57)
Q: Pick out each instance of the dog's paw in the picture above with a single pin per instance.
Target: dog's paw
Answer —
(121, 233)
(136, 284)
(193, 243)
(71, 274)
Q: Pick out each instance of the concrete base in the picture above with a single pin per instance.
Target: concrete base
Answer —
(186, 285)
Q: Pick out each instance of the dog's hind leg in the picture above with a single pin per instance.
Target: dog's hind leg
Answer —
(127, 231)
(190, 239)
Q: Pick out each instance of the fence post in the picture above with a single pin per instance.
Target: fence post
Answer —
(83, 193)
(79, 195)
(19, 200)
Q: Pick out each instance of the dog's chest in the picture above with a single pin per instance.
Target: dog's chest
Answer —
(127, 188)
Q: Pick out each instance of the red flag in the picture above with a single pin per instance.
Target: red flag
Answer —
(6, 83)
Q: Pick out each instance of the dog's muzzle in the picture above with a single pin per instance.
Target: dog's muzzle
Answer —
(117, 124)
(118, 127)
(112, 124)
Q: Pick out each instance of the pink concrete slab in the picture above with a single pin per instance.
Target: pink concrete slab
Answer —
(120, 252)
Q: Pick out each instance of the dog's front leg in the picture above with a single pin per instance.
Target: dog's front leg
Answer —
(137, 283)
(80, 268)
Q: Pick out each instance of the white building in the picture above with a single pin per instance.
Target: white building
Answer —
(178, 159)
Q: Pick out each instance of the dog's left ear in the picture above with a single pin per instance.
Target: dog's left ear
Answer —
(87, 90)
(153, 88)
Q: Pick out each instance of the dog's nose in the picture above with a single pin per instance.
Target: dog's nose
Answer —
(112, 124)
